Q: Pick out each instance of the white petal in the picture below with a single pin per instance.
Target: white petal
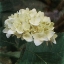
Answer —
(35, 21)
(34, 10)
(9, 22)
(27, 37)
(41, 14)
(54, 41)
(8, 35)
(37, 42)
(40, 36)
(32, 15)
(5, 30)
(10, 32)
(19, 31)
(43, 39)
(50, 34)
(6, 21)
(46, 19)
(53, 38)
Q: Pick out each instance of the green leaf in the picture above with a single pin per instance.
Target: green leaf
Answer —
(51, 54)
(11, 54)
(14, 54)
(7, 42)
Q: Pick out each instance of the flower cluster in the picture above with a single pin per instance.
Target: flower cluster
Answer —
(30, 25)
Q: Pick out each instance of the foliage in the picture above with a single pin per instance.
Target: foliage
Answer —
(16, 51)
(51, 54)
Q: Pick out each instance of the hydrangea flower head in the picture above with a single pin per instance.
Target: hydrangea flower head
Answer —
(30, 25)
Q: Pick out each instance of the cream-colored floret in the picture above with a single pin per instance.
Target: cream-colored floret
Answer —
(30, 25)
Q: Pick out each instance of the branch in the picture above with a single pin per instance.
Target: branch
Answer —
(59, 25)
(60, 5)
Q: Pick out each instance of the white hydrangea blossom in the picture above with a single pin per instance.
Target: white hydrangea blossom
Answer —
(30, 25)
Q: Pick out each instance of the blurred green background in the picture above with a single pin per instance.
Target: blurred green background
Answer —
(16, 51)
